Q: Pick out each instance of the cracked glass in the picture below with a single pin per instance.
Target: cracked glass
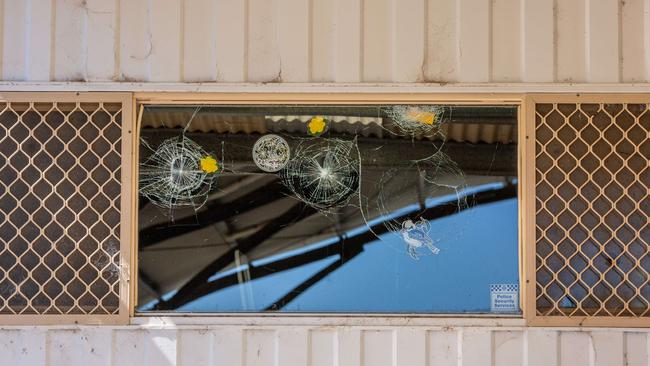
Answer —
(328, 208)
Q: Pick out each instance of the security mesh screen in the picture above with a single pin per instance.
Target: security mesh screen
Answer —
(59, 207)
(592, 208)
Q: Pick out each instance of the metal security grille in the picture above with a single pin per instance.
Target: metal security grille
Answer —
(61, 205)
(592, 181)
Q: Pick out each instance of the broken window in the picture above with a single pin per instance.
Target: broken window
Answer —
(328, 208)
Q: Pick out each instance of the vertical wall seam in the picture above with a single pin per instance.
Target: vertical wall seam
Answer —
(215, 43)
(592, 350)
(457, 22)
(522, 40)
(394, 347)
(84, 42)
(646, 38)
(277, 46)
(393, 40)
(27, 44)
(310, 38)
(619, 5)
(587, 39)
(362, 41)
(52, 40)
(117, 39)
(492, 348)
(459, 346)
(150, 38)
(624, 341)
(145, 348)
(2, 38)
(524, 346)
(647, 348)
(425, 43)
(276, 348)
(211, 354)
(555, 48)
(246, 40)
(181, 42)
(243, 339)
(362, 349)
(490, 45)
(179, 350)
(46, 347)
(309, 348)
(427, 350)
(558, 347)
(112, 348)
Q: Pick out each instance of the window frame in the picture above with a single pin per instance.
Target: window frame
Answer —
(126, 199)
(140, 100)
(317, 94)
(528, 215)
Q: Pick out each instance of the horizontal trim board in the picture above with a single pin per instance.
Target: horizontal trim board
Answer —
(208, 323)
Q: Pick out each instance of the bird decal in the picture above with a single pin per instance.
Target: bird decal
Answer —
(416, 235)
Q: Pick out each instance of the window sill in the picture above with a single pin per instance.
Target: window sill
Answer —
(378, 320)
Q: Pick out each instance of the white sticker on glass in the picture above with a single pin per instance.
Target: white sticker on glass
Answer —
(504, 298)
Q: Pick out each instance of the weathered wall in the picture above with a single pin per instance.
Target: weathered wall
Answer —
(322, 346)
(341, 41)
(447, 41)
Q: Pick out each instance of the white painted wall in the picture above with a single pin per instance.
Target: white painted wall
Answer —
(322, 346)
(446, 41)
(518, 42)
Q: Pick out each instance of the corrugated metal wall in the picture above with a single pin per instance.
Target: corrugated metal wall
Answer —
(469, 41)
(306, 346)
(437, 41)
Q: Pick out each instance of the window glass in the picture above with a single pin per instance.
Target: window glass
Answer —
(322, 208)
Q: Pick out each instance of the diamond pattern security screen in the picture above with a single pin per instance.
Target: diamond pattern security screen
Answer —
(592, 208)
(61, 206)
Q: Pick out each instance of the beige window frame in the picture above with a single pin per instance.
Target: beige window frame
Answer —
(144, 99)
(528, 213)
(132, 111)
(126, 198)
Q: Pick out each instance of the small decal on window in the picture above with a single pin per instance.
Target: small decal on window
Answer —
(504, 298)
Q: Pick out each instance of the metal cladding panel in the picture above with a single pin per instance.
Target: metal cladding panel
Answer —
(306, 345)
(418, 41)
